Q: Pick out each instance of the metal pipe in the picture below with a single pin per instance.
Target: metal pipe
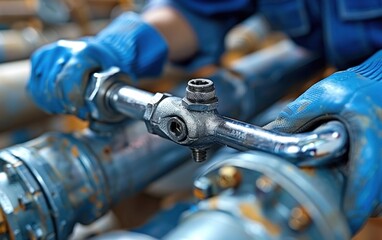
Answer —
(248, 35)
(326, 142)
(197, 124)
(14, 102)
(130, 101)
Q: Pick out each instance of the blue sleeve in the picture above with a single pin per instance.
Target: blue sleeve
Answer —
(210, 20)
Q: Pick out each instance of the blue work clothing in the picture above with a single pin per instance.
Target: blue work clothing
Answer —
(345, 32)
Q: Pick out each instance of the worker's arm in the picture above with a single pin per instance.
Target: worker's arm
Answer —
(178, 33)
(207, 20)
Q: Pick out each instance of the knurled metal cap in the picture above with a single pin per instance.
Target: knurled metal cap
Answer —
(200, 95)
(201, 91)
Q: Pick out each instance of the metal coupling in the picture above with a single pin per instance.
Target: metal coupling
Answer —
(194, 121)
(200, 95)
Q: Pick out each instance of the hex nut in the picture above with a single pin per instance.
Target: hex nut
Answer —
(198, 106)
(96, 94)
(150, 109)
(155, 100)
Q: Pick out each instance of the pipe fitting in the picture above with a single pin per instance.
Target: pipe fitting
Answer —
(200, 95)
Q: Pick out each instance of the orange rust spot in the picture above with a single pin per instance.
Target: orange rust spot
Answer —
(309, 170)
(18, 209)
(107, 150)
(4, 226)
(3, 223)
(74, 124)
(299, 219)
(199, 194)
(84, 190)
(65, 143)
(99, 205)
(50, 139)
(252, 212)
(75, 151)
(93, 199)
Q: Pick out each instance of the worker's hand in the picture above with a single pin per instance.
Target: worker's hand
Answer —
(60, 70)
(354, 97)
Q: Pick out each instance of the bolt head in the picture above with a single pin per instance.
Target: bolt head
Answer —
(266, 191)
(229, 177)
(299, 219)
(265, 185)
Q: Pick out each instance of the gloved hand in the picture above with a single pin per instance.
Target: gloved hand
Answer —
(354, 97)
(60, 70)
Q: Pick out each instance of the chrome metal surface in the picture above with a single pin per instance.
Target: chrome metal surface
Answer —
(199, 128)
(327, 142)
(130, 101)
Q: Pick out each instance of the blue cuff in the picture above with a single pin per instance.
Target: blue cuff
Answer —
(210, 34)
(140, 49)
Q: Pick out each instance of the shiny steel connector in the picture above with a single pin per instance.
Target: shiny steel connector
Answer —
(194, 122)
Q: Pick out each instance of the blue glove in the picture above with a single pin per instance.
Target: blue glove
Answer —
(60, 70)
(354, 97)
